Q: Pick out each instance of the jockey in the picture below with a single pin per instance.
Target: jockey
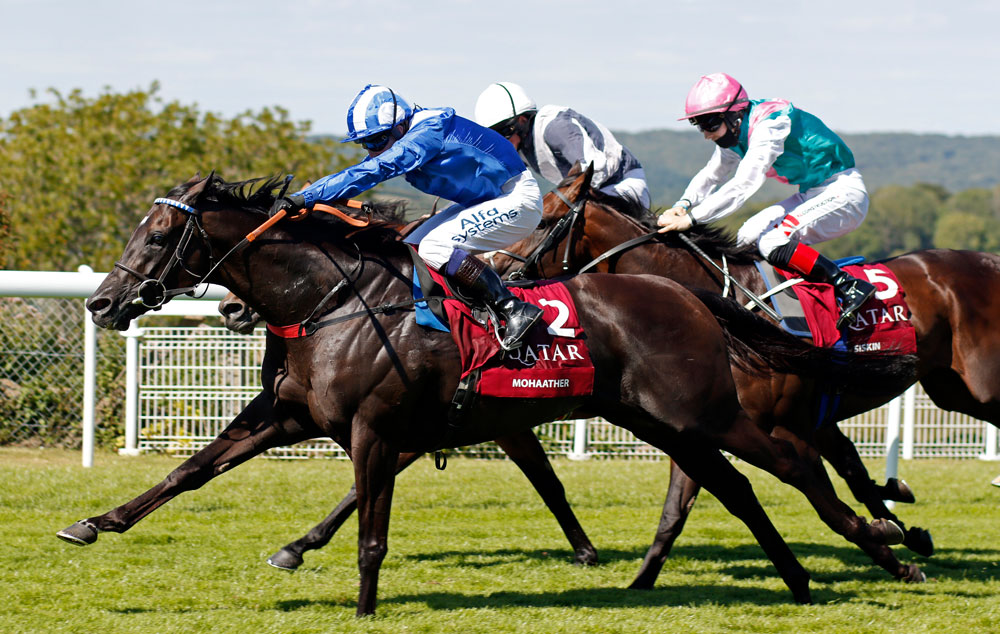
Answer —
(552, 139)
(772, 138)
(497, 201)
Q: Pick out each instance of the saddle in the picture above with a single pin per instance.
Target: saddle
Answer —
(809, 309)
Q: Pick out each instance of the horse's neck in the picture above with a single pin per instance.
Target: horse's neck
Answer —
(676, 262)
(285, 283)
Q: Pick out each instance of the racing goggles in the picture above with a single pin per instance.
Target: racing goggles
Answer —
(507, 128)
(708, 122)
(375, 141)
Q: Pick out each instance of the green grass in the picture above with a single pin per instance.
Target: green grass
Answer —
(472, 549)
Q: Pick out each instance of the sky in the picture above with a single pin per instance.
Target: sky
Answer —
(872, 66)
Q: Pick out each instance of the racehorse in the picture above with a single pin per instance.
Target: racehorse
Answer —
(522, 447)
(953, 297)
(379, 384)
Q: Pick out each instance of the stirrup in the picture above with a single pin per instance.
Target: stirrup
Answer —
(857, 298)
(512, 341)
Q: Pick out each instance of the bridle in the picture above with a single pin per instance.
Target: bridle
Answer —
(152, 292)
(564, 227)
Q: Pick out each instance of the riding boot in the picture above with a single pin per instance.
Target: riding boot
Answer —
(483, 284)
(851, 291)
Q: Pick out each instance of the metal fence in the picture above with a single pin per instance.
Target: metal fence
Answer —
(191, 381)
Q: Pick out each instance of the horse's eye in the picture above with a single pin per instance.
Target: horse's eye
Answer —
(157, 239)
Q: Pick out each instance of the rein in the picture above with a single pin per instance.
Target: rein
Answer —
(563, 227)
(153, 293)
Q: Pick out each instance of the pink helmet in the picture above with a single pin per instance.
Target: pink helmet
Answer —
(717, 92)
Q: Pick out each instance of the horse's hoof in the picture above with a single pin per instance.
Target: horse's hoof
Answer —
(914, 574)
(899, 491)
(919, 541)
(996, 481)
(887, 532)
(80, 533)
(285, 560)
(585, 557)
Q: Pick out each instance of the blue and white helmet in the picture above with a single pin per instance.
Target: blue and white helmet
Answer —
(375, 109)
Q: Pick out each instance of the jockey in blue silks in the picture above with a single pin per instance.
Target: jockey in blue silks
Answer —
(496, 200)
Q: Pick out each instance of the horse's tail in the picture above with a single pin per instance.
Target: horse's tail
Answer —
(757, 345)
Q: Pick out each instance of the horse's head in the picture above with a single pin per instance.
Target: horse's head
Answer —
(165, 252)
(237, 315)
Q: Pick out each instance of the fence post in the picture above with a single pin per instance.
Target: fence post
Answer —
(909, 418)
(131, 335)
(579, 440)
(991, 443)
(89, 380)
(892, 442)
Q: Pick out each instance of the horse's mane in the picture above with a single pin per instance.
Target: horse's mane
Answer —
(713, 240)
(256, 195)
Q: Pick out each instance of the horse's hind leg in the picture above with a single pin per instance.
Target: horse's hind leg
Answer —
(680, 500)
(778, 457)
(252, 432)
(527, 453)
(290, 556)
(841, 453)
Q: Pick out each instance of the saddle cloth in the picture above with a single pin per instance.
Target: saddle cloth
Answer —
(552, 361)
(881, 325)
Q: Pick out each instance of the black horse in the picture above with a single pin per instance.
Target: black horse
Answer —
(378, 384)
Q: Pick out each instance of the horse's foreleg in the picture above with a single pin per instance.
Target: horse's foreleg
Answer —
(841, 453)
(374, 479)
(527, 453)
(680, 500)
(252, 432)
(710, 468)
(290, 556)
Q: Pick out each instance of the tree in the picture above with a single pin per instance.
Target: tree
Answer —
(960, 230)
(81, 172)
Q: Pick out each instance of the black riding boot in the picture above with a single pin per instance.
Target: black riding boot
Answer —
(851, 291)
(483, 284)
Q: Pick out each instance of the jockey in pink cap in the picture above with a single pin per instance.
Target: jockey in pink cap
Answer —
(758, 139)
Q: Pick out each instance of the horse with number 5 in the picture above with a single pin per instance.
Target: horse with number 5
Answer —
(379, 384)
(953, 299)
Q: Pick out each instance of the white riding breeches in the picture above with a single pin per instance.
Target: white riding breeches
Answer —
(486, 226)
(632, 186)
(831, 209)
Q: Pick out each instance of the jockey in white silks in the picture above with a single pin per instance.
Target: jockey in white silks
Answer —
(553, 139)
(758, 139)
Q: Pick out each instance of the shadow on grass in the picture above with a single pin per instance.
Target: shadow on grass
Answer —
(747, 561)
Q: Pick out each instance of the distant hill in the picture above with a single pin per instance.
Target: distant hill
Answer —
(672, 157)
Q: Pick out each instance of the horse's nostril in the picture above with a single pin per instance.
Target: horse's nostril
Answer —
(230, 309)
(98, 304)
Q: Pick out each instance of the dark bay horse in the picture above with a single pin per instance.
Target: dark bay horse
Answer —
(954, 297)
(523, 448)
(379, 384)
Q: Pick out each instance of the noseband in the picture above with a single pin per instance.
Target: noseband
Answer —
(562, 228)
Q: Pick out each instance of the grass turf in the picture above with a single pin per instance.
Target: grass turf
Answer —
(472, 549)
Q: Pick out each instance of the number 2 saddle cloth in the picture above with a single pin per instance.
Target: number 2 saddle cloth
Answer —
(552, 361)
(810, 309)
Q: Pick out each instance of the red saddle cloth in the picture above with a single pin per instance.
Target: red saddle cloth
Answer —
(552, 361)
(881, 325)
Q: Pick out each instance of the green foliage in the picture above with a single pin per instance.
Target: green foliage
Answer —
(80, 172)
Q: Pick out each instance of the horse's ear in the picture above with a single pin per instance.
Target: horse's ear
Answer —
(588, 176)
(193, 192)
(195, 178)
